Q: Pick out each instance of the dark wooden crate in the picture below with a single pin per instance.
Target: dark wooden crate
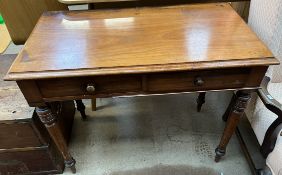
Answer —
(26, 147)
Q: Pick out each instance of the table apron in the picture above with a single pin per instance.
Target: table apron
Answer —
(38, 92)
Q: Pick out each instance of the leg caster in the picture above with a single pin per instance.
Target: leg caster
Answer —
(201, 100)
(218, 154)
(81, 108)
(49, 119)
(237, 109)
(71, 164)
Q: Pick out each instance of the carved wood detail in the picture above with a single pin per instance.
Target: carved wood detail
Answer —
(50, 121)
(241, 100)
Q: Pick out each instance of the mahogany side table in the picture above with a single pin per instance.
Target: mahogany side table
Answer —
(105, 53)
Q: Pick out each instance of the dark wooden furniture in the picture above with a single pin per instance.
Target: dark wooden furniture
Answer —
(257, 160)
(274, 129)
(86, 54)
(26, 146)
(274, 106)
(242, 8)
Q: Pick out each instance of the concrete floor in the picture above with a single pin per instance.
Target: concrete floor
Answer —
(154, 135)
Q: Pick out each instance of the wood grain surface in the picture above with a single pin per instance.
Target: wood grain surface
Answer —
(68, 44)
(154, 83)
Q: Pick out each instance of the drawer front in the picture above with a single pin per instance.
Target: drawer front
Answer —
(168, 82)
(78, 86)
(198, 80)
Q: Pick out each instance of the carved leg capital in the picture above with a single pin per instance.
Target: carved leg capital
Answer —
(49, 119)
(46, 116)
(241, 102)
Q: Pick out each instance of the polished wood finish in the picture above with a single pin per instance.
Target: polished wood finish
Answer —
(22, 15)
(106, 53)
(78, 86)
(33, 95)
(133, 84)
(272, 105)
(255, 153)
(49, 118)
(241, 101)
(138, 41)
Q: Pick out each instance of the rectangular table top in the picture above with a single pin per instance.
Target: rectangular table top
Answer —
(155, 39)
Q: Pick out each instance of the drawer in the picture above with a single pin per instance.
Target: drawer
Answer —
(198, 80)
(69, 87)
(168, 82)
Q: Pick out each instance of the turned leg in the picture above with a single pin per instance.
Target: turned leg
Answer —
(229, 108)
(81, 108)
(201, 100)
(93, 102)
(237, 110)
(49, 119)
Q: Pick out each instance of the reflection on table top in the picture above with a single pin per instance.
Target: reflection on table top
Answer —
(139, 40)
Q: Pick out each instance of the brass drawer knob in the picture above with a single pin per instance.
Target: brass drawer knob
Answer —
(90, 88)
(199, 81)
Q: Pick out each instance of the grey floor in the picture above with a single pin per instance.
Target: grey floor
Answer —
(138, 135)
(155, 135)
